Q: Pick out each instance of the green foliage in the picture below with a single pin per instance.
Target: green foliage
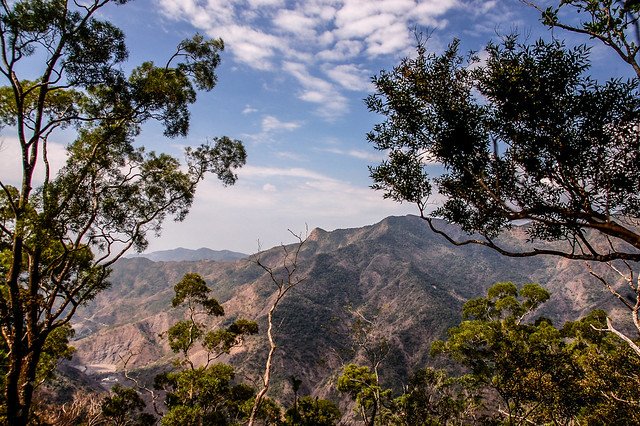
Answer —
(539, 373)
(611, 21)
(124, 407)
(193, 290)
(222, 340)
(183, 335)
(525, 364)
(200, 58)
(60, 234)
(205, 394)
(524, 136)
(362, 385)
(610, 371)
(433, 398)
(313, 412)
(55, 347)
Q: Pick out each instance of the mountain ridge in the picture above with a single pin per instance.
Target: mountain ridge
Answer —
(397, 272)
(181, 254)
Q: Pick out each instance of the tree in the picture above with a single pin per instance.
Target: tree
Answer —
(362, 385)
(526, 137)
(523, 362)
(372, 346)
(61, 69)
(206, 393)
(609, 368)
(432, 397)
(609, 21)
(528, 371)
(124, 407)
(310, 411)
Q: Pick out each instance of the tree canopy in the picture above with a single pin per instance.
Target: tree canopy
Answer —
(532, 372)
(61, 68)
(524, 136)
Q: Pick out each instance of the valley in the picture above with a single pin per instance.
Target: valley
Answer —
(397, 273)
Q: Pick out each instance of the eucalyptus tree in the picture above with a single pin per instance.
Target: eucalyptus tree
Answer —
(62, 69)
(206, 393)
(525, 137)
(522, 369)
(612, 22)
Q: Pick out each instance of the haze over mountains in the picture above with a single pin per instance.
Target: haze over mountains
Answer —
(182, 254)
(409, 281)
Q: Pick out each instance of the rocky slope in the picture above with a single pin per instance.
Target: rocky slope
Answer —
(409, 281)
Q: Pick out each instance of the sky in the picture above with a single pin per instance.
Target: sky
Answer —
(291, 86)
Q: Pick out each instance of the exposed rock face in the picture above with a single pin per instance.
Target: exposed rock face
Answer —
(397, 272)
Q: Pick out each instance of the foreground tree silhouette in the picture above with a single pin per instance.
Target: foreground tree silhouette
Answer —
(612, 22)
(526, 136)
(60, 232)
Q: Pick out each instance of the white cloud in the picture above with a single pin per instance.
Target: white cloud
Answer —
(316, 90)
(249, 45)
(303, 196)
(350, 76)
(269, 3)
(271, 123)
(343, 50)
(357, 153)
(365, 26)
(267, 187)
(252, 172)
(248, 109)
(274, 34)
(295, 22)
(11, 163)
(427, 10)
(292, 156)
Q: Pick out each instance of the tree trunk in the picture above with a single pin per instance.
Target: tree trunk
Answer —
(267, 368)
(21, 385)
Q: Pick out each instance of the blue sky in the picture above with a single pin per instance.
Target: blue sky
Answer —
(291, 85)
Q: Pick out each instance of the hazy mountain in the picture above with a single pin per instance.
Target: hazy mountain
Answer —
(182, 254)
(409, 281)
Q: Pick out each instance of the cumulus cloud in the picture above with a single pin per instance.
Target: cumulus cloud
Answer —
(317, 90)
(350, 76)
(316, 35)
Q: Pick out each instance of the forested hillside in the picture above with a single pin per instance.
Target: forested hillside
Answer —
(411, 282)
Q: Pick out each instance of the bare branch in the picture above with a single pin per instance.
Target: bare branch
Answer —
(283, 285)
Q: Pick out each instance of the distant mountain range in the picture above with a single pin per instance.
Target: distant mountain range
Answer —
(407, 280)
(182, 254)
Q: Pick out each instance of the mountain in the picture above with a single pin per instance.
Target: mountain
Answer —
(182, 254)
(409, 282)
